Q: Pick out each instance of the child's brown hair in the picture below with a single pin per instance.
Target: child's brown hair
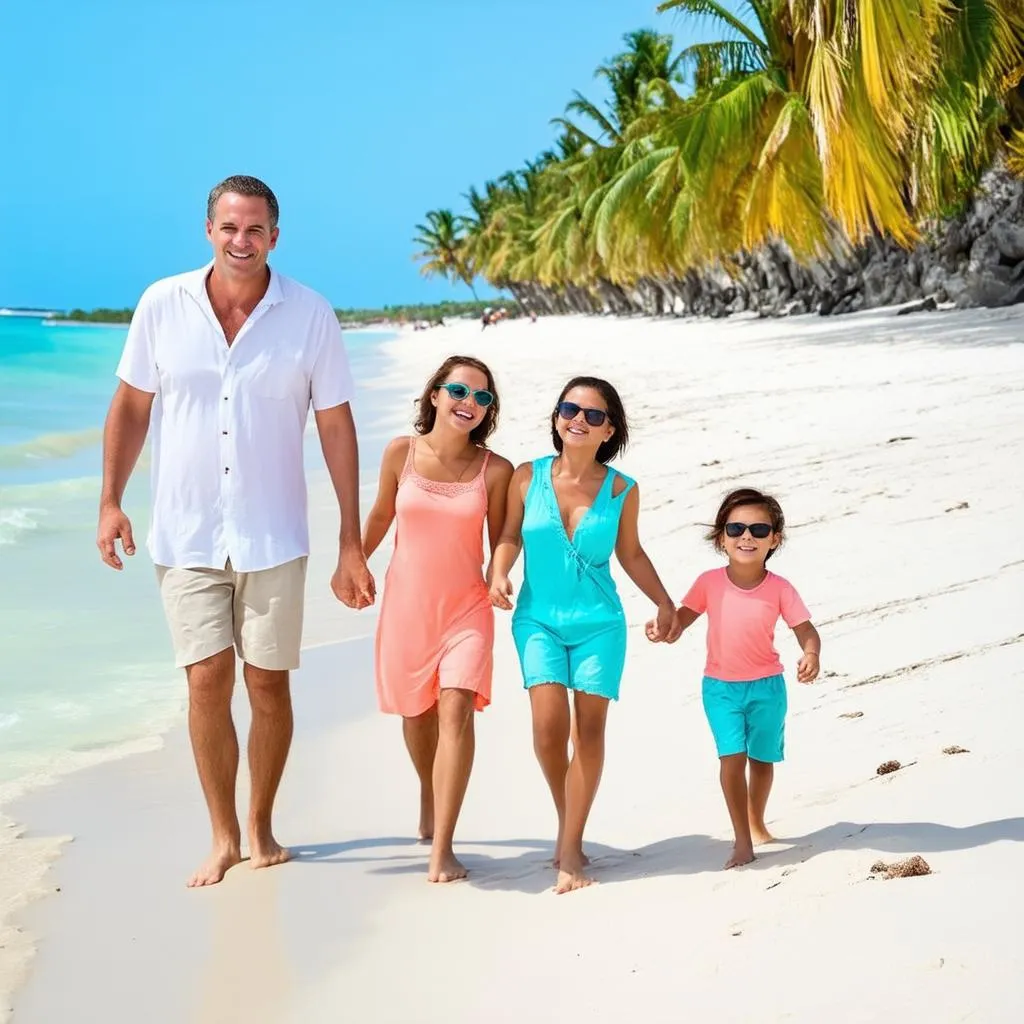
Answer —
(748, 496)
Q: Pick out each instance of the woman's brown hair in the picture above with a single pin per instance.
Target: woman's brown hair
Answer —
(427, 411)
(616, 413)
(738, 499)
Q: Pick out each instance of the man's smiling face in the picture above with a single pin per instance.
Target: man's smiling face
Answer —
(242, 235)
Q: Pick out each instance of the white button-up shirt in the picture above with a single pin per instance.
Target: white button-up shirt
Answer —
(228, 421)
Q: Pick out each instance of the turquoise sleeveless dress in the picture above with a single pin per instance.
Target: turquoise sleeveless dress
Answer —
(569, 626)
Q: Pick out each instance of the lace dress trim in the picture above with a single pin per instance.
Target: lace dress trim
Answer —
(449, 488)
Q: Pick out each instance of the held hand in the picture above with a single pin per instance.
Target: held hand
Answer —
(500, 593)
(669, 625)
(114, 525)
(665, 628)
(352, 582)
(807, 668)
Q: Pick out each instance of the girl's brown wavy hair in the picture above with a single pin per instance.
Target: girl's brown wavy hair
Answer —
(427, 412)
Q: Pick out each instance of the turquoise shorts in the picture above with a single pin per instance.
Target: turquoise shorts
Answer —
(747, 718)
(592, 664)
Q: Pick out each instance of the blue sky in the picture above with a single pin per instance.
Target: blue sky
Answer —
(119, 115)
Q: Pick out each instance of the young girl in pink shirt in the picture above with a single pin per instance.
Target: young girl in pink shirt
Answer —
(744, 691)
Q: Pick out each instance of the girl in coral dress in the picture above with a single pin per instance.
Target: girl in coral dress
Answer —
(435, 633)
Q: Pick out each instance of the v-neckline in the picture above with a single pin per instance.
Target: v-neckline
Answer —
(571, 539)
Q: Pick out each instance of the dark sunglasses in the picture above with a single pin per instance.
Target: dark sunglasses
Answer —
(757, 530)
(570, 410)
(463, 391)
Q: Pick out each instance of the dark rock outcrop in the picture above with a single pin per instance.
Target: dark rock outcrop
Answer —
(973, 259)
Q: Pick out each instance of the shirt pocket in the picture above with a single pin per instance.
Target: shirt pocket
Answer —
(277, 375)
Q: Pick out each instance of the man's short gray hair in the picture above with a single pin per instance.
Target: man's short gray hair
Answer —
(243, 185)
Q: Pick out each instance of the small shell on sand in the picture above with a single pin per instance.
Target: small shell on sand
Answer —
(888, 766)
(955, 750)
(908, 868)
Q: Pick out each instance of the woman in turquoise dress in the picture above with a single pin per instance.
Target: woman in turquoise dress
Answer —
(568, 512)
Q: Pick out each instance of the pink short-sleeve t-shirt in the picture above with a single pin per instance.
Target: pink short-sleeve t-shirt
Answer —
(741, 623)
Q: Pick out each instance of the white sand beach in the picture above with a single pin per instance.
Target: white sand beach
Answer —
(895, 446)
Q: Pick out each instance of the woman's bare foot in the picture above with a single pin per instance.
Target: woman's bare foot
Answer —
(584, 859)
(265, 851)
(740, 856)
(760, 836)
(426, 829)
(571, 874)
(445, 867)
(216, 866)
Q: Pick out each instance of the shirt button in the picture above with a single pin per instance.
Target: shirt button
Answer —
(225, 469)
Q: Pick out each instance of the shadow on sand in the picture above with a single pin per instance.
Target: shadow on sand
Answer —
(529, 871)
(902, 838)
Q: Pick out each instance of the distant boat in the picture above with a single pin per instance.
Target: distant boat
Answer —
(35, 314)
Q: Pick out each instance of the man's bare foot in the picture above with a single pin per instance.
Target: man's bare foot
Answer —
(445, 867)
(740, 856)
(266, 851)
(215, 867)
(571, 875)
(760, 836)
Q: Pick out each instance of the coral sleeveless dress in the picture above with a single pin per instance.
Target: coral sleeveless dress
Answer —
(436, 625)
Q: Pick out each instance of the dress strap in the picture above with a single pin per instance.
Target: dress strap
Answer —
(409, 466)
(628, 480)
(482, 477)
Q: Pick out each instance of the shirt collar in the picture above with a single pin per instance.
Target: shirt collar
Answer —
(195, 285)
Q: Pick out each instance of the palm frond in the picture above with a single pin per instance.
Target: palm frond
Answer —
(711, 9)
(711, 62)
(1015, 153)
(581, 105)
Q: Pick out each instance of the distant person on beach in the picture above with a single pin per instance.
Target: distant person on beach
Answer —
(442, 488)
(236, 353)
(486, 319)
(744, 691)
(569, 512)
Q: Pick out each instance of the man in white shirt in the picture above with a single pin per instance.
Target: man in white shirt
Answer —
(226, 361)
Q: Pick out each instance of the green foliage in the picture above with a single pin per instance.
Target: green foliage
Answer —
(817, 123)
(430, 312)
(100, 316)
(441, 242)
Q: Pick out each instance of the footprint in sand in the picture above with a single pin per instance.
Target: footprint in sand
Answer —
(778, 881)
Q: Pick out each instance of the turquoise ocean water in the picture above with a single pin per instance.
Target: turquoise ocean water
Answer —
(86, 662)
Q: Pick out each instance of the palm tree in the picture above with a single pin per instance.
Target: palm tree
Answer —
(809, 126)
(647, 61)
(819, 103)
(441, 247)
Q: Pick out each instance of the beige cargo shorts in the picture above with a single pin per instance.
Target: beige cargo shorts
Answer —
(257, 613)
